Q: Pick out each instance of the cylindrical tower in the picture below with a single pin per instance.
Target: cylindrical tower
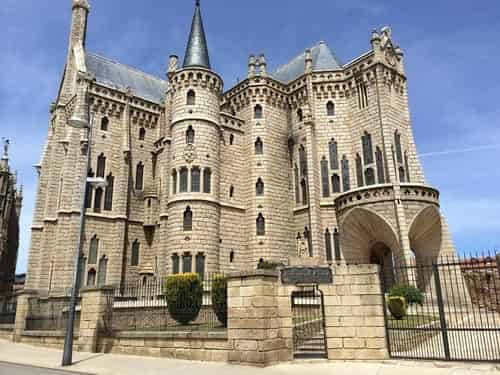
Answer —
(193, 206)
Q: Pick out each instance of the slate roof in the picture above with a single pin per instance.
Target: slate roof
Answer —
(323, 59)
(197, 48)
(119, 76)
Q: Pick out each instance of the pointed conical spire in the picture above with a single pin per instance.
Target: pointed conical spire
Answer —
(197, 49)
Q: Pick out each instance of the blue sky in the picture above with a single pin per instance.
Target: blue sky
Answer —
(451, 50)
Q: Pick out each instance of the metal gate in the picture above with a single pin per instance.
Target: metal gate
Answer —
(459, 317)
(308, 315)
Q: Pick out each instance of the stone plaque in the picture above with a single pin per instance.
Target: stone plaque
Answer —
(306, 275)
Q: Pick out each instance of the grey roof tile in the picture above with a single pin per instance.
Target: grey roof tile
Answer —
(323, 59)
(119, 76)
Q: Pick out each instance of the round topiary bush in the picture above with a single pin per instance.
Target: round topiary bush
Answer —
(184, 295)
(397, 307)
(219, 298)
(411, 294)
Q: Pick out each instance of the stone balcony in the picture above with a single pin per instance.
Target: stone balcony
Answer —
(383, 193)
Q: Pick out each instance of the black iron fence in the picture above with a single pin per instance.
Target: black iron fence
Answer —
(455, 317)
(8, 305)
(150, 306)
(50, 314)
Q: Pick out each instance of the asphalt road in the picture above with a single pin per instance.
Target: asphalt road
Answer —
(8, 369)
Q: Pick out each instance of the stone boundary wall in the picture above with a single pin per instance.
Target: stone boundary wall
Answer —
(196, 346)
(6, 331)
(48, 339)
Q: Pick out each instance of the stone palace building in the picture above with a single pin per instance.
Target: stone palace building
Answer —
(11, 197)
(313, 163)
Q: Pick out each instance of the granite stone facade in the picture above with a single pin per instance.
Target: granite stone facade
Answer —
(314, 163)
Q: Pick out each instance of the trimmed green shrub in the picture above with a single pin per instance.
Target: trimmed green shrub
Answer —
(411, 294)
(219, 298)
(184, 294)
(397, 307)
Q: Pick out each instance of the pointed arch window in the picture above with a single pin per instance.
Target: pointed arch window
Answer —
(93, 250)
(261, 225)
(98, 199)
(367, 148)
(370, 176)
(183, 175)
(231, 257)
(346, 176)
(336, 183)
(257, 112)
(200, 265)
(259, 146)
(325, 180)
(336, 245)
(81, 271)
(195, 179)
(328, 245)
(259, 187)
(91, 275)
(334, 155)
(380, 166)
(330, 109)
(407, 166)
(108, 197)
(207, 180)
(297, 184)
(303, 188)
(399, 150)
(231, 139)
(191, 97)
(359, 171)
(136, 248)
(187, 224)
(101, 166)
(89, 190)
(174, 182)
(190, 135)
(104, 123)
(402, 175)
(142, 134)
(303, 160)
(139, 176)
(175, 264)
(102, 271)
(307, 237)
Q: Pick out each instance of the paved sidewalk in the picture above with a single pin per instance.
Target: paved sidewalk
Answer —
(110, 364)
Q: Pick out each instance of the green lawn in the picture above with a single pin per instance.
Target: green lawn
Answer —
(412, 321)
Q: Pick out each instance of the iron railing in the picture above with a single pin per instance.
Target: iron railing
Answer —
(459, 317)
(142, 306)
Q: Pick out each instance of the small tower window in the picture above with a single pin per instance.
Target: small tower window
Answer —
(259, 147)
(139, 177)
(190, 135)
(336, 245)
(380, 166)
(407, 166)
(359, 171)
(303, 187)
(91, 277)
(231, 139)
(399, 150)
(98, 199)
(330, 109)
(300, 115)
(258, 112)
(207, 180)
(328, 246)
(259, 187)
(297, 188)
(195, 179)
(102, 271)
(183, 186)
(261, 225)
(187, 224)
(303, 160)
(93, 250)
(175, 264)
(369, 176)
(336, 183)
(101, 166)
(136, 247)
(366, 141)
(187, 263)
(402, 175)
(231, 257)
(231, 191)
(142, 134)
(174, 182)
(334, 156)
(325, 181)
(191, 98)
(108, 197)
(346, 176)
(104, 123)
